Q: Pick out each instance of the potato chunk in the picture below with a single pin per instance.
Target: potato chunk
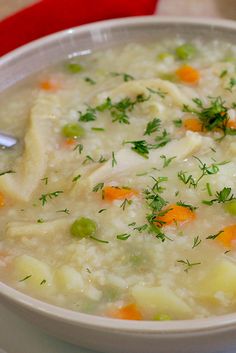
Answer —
(68, 279)
(220, 278)
(33, 272)
(160, 300)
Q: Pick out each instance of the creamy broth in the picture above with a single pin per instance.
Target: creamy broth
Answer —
(119, 199)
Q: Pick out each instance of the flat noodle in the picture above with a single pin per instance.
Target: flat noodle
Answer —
(129, 160)
(136, 87)
(24, 228)
(32, 164)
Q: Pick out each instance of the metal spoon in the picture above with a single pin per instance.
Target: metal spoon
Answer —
(7, 141)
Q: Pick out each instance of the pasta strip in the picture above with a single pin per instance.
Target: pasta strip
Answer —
(129, 160)
(32, 164)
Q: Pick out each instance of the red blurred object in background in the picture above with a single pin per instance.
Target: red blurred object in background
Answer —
(48, 16)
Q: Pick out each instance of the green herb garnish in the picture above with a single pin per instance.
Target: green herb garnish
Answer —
(25, 278)
(141, 147)
(44, 197)
(126, 77)
(89, 115)
(214, 236)
(166, 161)
(64, 211)
(196, 242)
(161, 140)
(102, 210)
(90, 80)
(155, 203)
(99, 240)
(78, 147)
(183, 204)
(113, 161)
(232, 83)
(97, 129)
(222, 196)
(7, 172)
(40, 220)
(205, 169)
(208, 187)
(45, 180)
(77, 177)
(188, 264)
(159, 92)
(123, 236)
(214, 116)
(125, 203)
(98, 187)
(120, 109)
(178, 122)
(223, 73)
(88, 159)
(152, 126)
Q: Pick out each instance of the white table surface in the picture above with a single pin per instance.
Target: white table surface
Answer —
(20, 336)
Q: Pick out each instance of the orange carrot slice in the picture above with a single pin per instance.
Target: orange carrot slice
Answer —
(49, 85)
(3, 254)
(128, 312)
(2, 200)
(231, 124)
(228, 236)
(112, 193)
(69, 143)
(193, 124)
(188, 74)
(175, 213)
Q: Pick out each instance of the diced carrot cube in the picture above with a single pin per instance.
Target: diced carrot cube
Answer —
(175, 213)
(128, 312)
(112, 193)
(188, 74)
(193, 124)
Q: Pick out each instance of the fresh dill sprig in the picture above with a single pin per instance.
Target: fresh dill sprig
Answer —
(7, 172)
(166, 161)
(188, 265)
(152, 126)
(214, 116)
(44, 197)
(221, 196)
(113, 161)
(98, 187)
(196, 241)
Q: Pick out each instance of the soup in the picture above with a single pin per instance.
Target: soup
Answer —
(119, 198)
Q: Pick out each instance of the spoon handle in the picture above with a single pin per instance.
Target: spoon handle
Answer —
(7, 141)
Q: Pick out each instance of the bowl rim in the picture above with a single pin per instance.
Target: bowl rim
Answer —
(191, 326)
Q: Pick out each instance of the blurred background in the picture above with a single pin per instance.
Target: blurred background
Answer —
(196, 8)
(22, 21)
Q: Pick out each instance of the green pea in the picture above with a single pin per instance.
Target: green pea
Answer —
(185, 51)
(161, 317)
(83, 228)
(110, 294)
(73, 130)
(74, 68)
(163, 56)
(230, 207)
(168, 77)
(230, 59)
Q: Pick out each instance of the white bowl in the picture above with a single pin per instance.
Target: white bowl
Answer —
(211, 335)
